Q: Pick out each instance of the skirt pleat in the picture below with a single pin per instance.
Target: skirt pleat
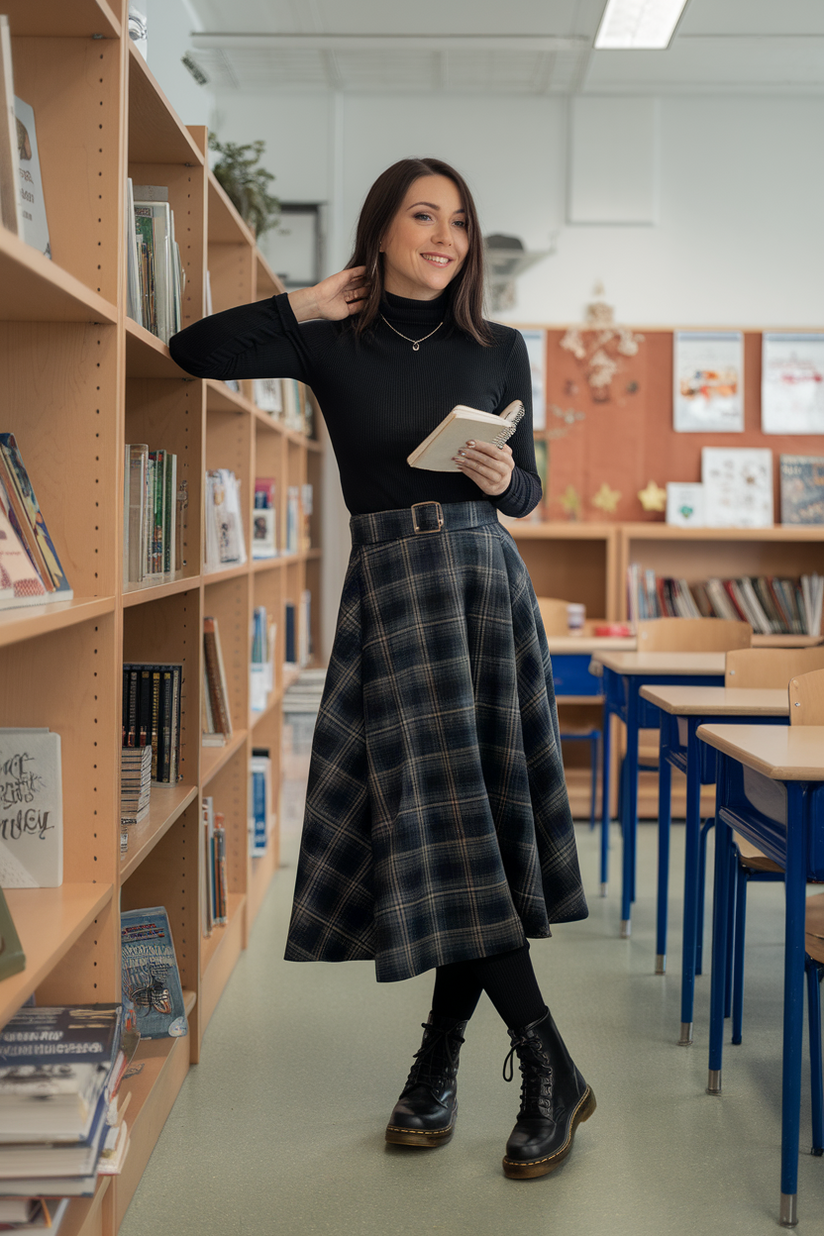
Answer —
(437, 824)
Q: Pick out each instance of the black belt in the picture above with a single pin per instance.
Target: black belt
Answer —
(422, 519)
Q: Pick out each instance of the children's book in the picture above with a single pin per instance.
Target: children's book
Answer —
(35, 226)
(35, 534)
(151, 980)
(436, 452)
(802, 489)
(9, 196)
(31, 809)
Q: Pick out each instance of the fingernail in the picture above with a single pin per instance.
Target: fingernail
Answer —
(470, 444)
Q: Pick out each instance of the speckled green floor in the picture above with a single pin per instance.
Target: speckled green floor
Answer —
(279, 1129)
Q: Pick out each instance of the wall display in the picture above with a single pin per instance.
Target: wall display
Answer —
(708, 381)
(802, 489)
(792, 383)
(685, 504)
(536, 351)
(738, 487)
(652, 497)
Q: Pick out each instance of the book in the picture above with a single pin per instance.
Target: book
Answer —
(154, 225)
(216, 678)
(134, 300)
(802, 489)
(436, 451)
(12, 957)
(151, 979)
(738, 487)
(151, 715)
(34, 224)
(9, 195)
(20, 583)
(56, 1063)
(685, 504)
(260, 796)
(32, 524)
(31, 809)
(225, 544)
(264, 519)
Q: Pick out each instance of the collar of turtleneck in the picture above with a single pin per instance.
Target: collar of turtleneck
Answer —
(400, 310)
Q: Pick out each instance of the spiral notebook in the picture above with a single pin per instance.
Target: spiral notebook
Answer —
(435, 452)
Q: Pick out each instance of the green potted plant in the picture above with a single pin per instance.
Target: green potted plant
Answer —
(246, 184)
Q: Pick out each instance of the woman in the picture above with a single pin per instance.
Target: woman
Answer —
(437, 832)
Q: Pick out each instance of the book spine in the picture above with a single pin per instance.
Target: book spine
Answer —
(215, 676)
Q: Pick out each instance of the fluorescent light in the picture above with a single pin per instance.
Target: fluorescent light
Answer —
(631, 24)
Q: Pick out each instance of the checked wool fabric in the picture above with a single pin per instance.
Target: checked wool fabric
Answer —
(437, 824)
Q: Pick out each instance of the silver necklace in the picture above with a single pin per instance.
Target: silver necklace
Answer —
(416, 343)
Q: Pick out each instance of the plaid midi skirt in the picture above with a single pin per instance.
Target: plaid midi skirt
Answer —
(437, 825)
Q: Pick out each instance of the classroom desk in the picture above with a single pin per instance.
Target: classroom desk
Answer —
(625, 673)
(682, 710)
(771, 790)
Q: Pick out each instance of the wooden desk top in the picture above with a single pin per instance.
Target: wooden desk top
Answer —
(586, 643)
(724, 701)
(687, 663)
(783, 752)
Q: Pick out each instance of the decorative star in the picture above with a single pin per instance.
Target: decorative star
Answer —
(571, 502)
(653, 498)
(607, 499)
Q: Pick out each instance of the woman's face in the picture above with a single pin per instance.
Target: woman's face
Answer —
(426, 242)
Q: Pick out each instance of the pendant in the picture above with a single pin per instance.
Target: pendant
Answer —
(416, 347)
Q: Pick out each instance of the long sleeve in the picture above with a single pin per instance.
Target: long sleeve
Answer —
(524, 492)
(250, 341)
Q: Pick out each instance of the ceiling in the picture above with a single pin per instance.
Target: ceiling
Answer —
(523, 47)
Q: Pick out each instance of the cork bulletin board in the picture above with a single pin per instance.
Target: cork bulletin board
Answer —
(620, 435)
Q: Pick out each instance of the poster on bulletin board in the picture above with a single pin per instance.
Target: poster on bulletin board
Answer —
(792, 383)
(535, 341)
(708, 381)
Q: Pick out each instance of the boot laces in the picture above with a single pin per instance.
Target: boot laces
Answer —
(436, 1060)
(536, 1075)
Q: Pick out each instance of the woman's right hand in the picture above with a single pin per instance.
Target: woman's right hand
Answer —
(336, 298)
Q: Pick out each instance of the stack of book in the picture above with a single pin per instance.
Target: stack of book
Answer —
(225, 545)
(156, 278)
(771, 606)
(60, 1069)
(30, 570)
(135, 785)
(154, 515)
(151, 715)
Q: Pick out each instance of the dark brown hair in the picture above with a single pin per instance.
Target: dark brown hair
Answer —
(383, 201)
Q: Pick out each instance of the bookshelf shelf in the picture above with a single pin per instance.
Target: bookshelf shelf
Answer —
(81, 380)
(81, 19)
(155, 134)
(212, 759)
(37, 290)
(33, 620)
(49, 922)
(140, 594)
(267, 564)
(166, 806)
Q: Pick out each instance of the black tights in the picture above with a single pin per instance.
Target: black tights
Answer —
(507, 978)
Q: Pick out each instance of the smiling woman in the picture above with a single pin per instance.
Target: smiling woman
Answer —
(437, 833)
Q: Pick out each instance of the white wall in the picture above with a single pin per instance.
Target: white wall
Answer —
(169, 24)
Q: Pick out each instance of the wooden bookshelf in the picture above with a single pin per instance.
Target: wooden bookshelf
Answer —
(81, 380)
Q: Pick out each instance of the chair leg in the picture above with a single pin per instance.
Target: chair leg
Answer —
(702, 887)
(738, 962)
(814, 976)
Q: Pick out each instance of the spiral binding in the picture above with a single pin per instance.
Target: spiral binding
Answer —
(512, 423)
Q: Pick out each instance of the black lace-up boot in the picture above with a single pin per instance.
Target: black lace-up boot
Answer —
(555, 1099)
(425, 1113)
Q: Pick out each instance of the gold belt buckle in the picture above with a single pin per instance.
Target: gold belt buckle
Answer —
(426, 531)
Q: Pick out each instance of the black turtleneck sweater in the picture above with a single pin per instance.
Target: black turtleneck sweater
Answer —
(379, 397)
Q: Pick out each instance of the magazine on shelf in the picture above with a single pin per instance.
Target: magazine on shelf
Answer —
(34, 224)
(31, 809)
(802, 489)
(151, 979)
(23, 510)
(738, 487)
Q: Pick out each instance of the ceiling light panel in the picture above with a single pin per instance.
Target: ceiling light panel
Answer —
(630, 25)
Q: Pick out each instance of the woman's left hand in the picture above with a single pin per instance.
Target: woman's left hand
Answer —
(490, 467)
